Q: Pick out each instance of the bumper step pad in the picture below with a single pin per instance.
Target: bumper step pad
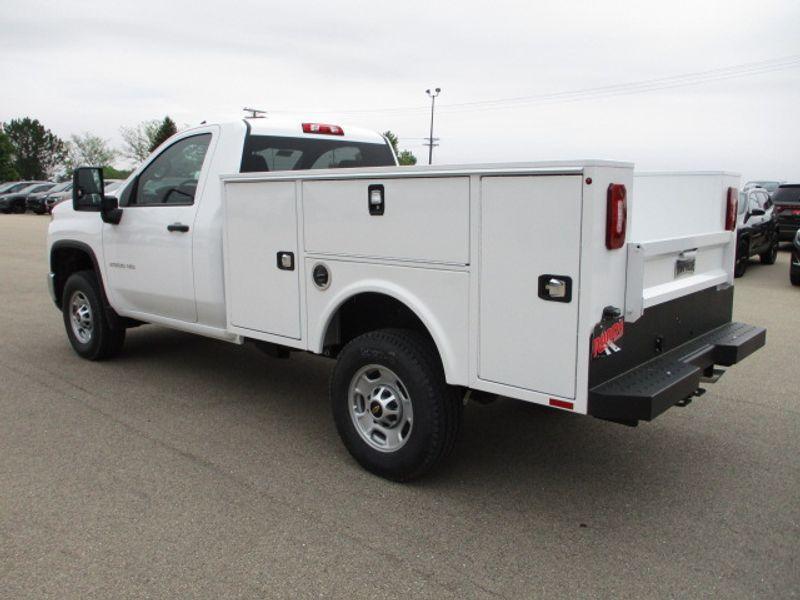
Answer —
(646, 391)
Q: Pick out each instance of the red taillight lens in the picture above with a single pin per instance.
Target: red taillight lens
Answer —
(616, 216)
(322, 128)
(730, 214)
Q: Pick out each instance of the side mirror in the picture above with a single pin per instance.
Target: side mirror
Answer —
(110, 211)
(87, 188)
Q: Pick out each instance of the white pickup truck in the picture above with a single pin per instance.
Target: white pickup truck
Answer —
(557, 283)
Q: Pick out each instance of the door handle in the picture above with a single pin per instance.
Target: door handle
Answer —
(556, 288)
(178, 227)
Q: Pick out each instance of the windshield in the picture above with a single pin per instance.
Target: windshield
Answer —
(742, 203)
(62, 187)
(38, 188)
(275, 153)
(5, 187)
(770, 186)
(18, 187)
(787, 193)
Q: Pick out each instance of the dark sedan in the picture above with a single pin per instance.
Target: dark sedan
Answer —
(787, 208)
(14, 201)
(36, 201)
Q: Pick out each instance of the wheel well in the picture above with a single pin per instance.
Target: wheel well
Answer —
(367, 312)
(65, 261)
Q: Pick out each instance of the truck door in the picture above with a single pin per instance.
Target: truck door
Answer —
(529, 261)
(149, 253)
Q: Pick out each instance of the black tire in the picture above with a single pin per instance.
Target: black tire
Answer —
(19, 208)
(102, 340)
(437, 407)
(742, 258)
(794, 275)
(771, 255)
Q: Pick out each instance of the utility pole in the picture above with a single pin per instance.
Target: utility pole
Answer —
(431, 139)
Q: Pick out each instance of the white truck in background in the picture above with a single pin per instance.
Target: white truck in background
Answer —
(567, 284)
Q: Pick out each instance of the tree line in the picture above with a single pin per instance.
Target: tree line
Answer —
(30, 151)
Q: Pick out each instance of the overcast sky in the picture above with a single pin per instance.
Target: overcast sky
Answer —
(94, 66)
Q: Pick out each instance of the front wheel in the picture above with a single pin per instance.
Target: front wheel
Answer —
(88, 330)
(771, 255)
(391, 404)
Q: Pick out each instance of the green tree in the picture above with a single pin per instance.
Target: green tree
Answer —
(404, 157)
(113, 173)
(38, 152)
(88, 150)
(7, 170)
(165, 130)
(136, 140)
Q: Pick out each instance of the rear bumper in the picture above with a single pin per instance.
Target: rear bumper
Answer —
(787, 228)
(644, 392)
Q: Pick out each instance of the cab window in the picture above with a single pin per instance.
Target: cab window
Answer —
(172, 177)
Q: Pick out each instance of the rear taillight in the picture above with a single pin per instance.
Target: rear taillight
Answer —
(730, 214)
(322, 128)
(616, 216)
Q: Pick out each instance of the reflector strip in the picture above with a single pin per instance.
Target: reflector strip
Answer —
(561, 404)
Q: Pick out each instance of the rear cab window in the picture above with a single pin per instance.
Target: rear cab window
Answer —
(279, 153)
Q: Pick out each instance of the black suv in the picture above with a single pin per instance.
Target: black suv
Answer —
(787, 207)
(756, 229)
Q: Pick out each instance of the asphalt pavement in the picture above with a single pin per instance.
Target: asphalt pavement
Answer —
(191, 468)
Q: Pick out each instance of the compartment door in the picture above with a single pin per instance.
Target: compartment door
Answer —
(530, 235)
(260, 230)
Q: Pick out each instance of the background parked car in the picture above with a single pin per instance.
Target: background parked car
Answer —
(768, 185)
(5, 187)
(54, 196)
(15, 201)
(794, 264)
(787, 208)
(36, 202)
(59, 195)
(12, 187)
(112, 184)
(756, 229)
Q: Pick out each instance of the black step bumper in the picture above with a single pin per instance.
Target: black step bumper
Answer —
(644, 392)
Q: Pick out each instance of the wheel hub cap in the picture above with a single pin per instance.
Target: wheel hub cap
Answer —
(80, 312)
(380, 408)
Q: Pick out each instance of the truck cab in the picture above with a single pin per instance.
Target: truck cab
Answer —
(163, 260)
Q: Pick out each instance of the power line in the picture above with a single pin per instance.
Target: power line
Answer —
(606, 91)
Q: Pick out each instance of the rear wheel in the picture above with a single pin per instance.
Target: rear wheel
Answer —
(19, 208)
(794, 275)
(771, 255)
(392, 407)
(88, 330)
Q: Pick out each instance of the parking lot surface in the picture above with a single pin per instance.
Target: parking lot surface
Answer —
(189, 467)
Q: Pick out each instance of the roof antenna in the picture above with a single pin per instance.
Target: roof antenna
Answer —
(255, 113)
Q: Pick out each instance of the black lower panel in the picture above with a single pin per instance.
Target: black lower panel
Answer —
(648, 390)
(662, 328)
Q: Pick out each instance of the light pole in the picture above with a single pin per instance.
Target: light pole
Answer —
(432, 96)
